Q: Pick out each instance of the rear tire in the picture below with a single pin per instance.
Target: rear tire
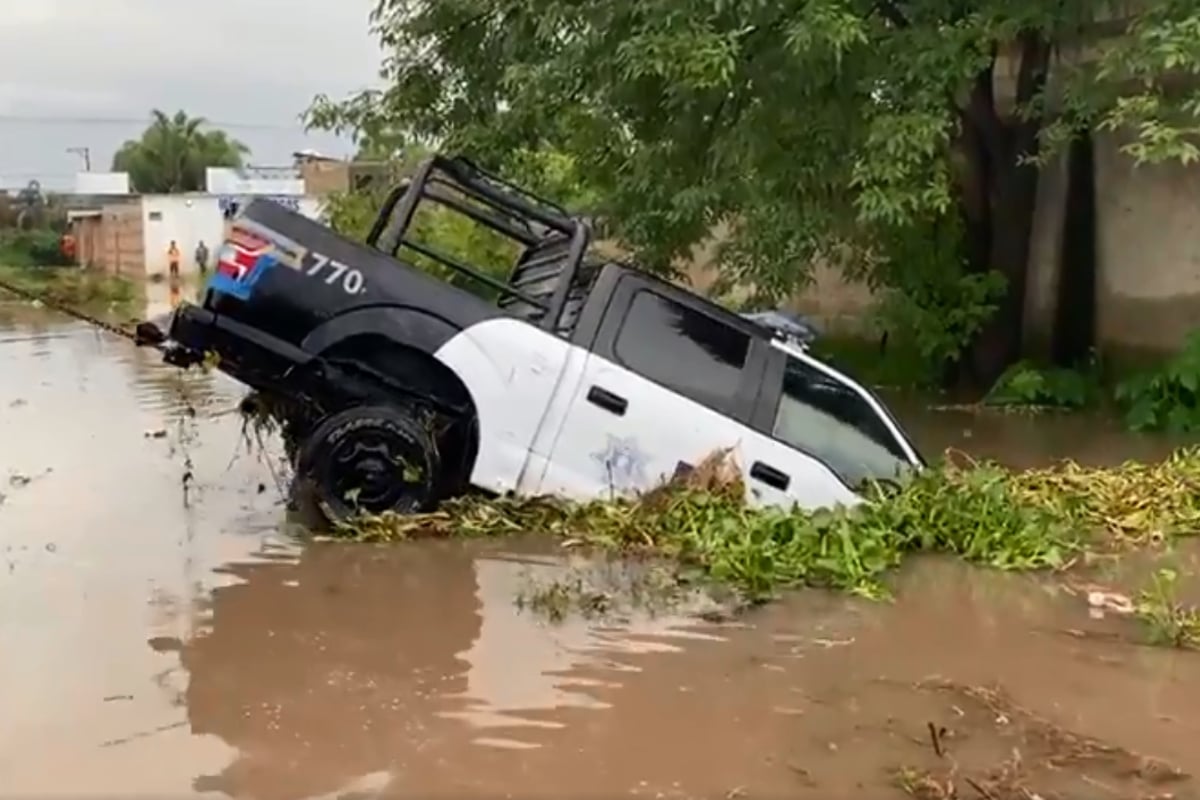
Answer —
(369, 459)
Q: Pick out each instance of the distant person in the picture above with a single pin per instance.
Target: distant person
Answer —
(202, 257)
(173, 259)
(68, 248)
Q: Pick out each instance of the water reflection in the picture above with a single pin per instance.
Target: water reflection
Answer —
(322, 670)
(355, 661)
(161, 297)
(560, 665)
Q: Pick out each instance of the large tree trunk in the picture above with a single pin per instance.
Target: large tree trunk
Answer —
(997, 195)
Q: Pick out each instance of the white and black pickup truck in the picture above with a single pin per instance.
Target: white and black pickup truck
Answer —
(573, 377)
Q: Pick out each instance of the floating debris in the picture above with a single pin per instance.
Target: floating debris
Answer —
(1110, 601)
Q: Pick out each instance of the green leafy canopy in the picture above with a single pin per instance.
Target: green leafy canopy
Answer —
(810, 127)
(173, 152)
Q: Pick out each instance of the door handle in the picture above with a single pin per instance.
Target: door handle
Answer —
(770, 476)
(607, 400)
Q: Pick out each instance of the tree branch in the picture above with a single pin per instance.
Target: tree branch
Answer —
(715, 120)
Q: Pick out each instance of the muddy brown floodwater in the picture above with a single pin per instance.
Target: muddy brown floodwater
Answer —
(152, 646)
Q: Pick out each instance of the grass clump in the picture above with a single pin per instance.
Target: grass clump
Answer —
(1166, 398)
(556, 599)
(615, 588)
(1040, 519)
(1025, 385)
(1168, 621)
(74, 287)
(31, 248)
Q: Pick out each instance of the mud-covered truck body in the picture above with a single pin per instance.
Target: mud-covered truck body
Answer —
(578, 377)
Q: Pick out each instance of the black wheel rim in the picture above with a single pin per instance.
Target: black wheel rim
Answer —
(374, 470)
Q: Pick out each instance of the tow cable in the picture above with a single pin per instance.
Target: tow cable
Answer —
(51, 303)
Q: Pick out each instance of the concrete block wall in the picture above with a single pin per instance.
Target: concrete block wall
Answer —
(1147, 251)
(1148, 270)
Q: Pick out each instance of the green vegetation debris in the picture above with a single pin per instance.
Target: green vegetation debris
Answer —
(616, 588)
(265, 414)
(1037, 519)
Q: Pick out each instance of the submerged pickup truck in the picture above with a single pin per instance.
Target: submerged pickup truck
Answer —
(574, 376)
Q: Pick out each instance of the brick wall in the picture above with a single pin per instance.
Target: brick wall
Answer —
(323, 177)
(112, 241)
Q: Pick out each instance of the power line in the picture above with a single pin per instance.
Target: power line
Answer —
(18, 119)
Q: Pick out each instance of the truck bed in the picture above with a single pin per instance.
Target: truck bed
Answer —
(390, 280)
(387, 280)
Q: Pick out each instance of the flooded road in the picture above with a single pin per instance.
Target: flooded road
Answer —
(157, 642)
(1026, 440)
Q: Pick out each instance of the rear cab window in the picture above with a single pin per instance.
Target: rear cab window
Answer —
(825, 416)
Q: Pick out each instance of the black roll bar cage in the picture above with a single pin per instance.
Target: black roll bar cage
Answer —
(506, 208)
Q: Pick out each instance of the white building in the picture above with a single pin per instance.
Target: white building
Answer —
(190, 219)
(131, 234)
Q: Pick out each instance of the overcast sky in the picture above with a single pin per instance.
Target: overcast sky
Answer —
(255, 62)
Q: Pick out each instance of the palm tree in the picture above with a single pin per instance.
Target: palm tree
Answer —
(173, 152)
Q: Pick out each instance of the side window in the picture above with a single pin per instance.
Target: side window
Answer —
(682, 349)
(828, 419)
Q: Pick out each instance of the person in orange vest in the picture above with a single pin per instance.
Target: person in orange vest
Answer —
(173, 259)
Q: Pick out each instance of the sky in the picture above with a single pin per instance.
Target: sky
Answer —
(86, 73)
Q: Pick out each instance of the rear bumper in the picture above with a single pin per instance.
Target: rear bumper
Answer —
(244, 352)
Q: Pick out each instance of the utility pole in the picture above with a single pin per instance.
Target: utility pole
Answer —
(85, 153)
